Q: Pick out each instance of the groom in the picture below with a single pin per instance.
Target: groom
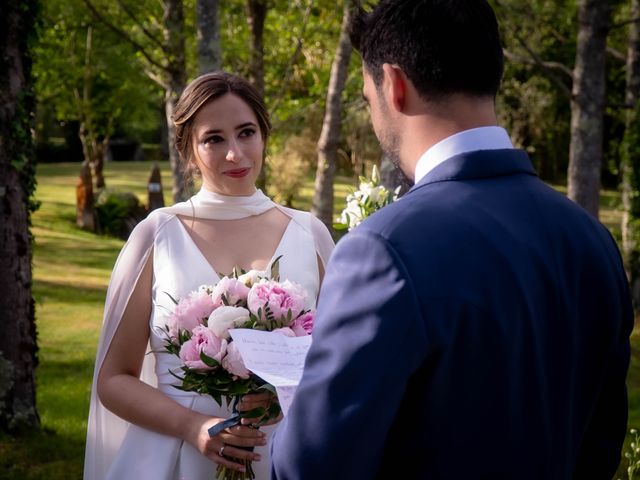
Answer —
(479, 326)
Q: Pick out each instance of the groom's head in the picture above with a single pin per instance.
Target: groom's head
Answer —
(431, 68)
(443, 46)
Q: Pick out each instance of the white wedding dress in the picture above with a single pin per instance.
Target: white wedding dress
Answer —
(118, 450)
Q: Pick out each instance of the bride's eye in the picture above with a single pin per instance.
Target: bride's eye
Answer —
(248, 132)
(212, 139)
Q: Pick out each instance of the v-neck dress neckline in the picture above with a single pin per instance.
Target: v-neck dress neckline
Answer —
(190, 241)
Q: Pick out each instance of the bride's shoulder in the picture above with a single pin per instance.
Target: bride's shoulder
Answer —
(147, 229)
(309, 221)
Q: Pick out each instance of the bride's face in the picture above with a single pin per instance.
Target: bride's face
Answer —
(228, 146)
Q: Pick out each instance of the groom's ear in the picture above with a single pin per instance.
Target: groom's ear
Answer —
(395, 84)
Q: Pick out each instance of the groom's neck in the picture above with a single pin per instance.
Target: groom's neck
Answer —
(432, 122)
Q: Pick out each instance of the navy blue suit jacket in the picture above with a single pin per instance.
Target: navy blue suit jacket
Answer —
(476, 328)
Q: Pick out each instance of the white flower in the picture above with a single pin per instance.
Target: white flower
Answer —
(370, 197)
(224, 318)
(251, 277)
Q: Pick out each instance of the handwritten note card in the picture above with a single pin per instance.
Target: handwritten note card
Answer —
(275, 358)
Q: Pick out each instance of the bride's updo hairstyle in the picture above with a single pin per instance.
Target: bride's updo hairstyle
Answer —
(205, 88)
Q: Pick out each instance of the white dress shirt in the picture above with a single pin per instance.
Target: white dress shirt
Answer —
(482, 138)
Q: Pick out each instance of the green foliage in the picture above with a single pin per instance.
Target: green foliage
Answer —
(118, 212)
(534, 103)
(120, 96)
(287, 167)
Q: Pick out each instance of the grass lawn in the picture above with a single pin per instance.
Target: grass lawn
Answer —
(71, 272)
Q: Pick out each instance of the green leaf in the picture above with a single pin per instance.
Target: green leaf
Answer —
(224, 300)
(275, 269)
(253, 413)
(172, 299)
(210, 362)
(340, 226)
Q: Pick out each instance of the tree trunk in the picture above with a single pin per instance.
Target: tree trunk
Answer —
(85, 202)
(174, 40)
(330, 135)
(588, 99)
(154, 189)
(92, 149)
(631, 159)
(97, 163)
(256, 15)
(18, 347)
(209, 49)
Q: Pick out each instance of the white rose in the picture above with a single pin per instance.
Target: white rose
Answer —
(249, 278)
(224, 318)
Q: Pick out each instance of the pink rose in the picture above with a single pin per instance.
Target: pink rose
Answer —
(303, 324)
(279, 297)
(234, 290)
(232, 362)
(190, 311)
(202, 340)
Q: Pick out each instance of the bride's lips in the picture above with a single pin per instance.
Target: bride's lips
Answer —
(237, 172)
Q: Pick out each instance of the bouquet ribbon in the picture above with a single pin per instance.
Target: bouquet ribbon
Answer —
(229, 422)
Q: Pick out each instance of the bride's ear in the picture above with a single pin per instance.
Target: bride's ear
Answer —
(395, 86)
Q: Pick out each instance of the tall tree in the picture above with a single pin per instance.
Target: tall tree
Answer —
(631, 157)
(94, 140)
(163, 59)
(583, 84)
(256, 16)
(209, 48)
(330, 135)
(18, 348)
(74, 64)
(587, 106)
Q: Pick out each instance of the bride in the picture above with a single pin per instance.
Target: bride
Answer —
(140, 426)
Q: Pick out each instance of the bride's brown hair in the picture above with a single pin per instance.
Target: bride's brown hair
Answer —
(208, 87)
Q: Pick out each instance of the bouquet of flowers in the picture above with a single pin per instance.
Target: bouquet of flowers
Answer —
(198, 333)
(369, 198)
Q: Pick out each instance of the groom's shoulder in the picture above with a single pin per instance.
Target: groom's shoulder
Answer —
(405, 215)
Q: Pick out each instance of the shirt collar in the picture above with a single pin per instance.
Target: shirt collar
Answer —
(482, 138)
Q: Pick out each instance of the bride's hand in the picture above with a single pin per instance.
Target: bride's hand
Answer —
(258, 400)
(225, 448)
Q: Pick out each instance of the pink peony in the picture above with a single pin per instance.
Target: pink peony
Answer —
(190, 311)
(303, 324)
(202, 340)
(279, 297)
(232, 362)
(234, 290)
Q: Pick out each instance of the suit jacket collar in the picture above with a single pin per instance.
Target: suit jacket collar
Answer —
(479, 164)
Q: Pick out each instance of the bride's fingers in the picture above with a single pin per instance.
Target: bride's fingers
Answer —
(271, 421)
(255, 400)
(232, 453)
(248, 436)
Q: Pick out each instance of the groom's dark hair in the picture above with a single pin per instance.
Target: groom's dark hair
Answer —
(443, 46)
